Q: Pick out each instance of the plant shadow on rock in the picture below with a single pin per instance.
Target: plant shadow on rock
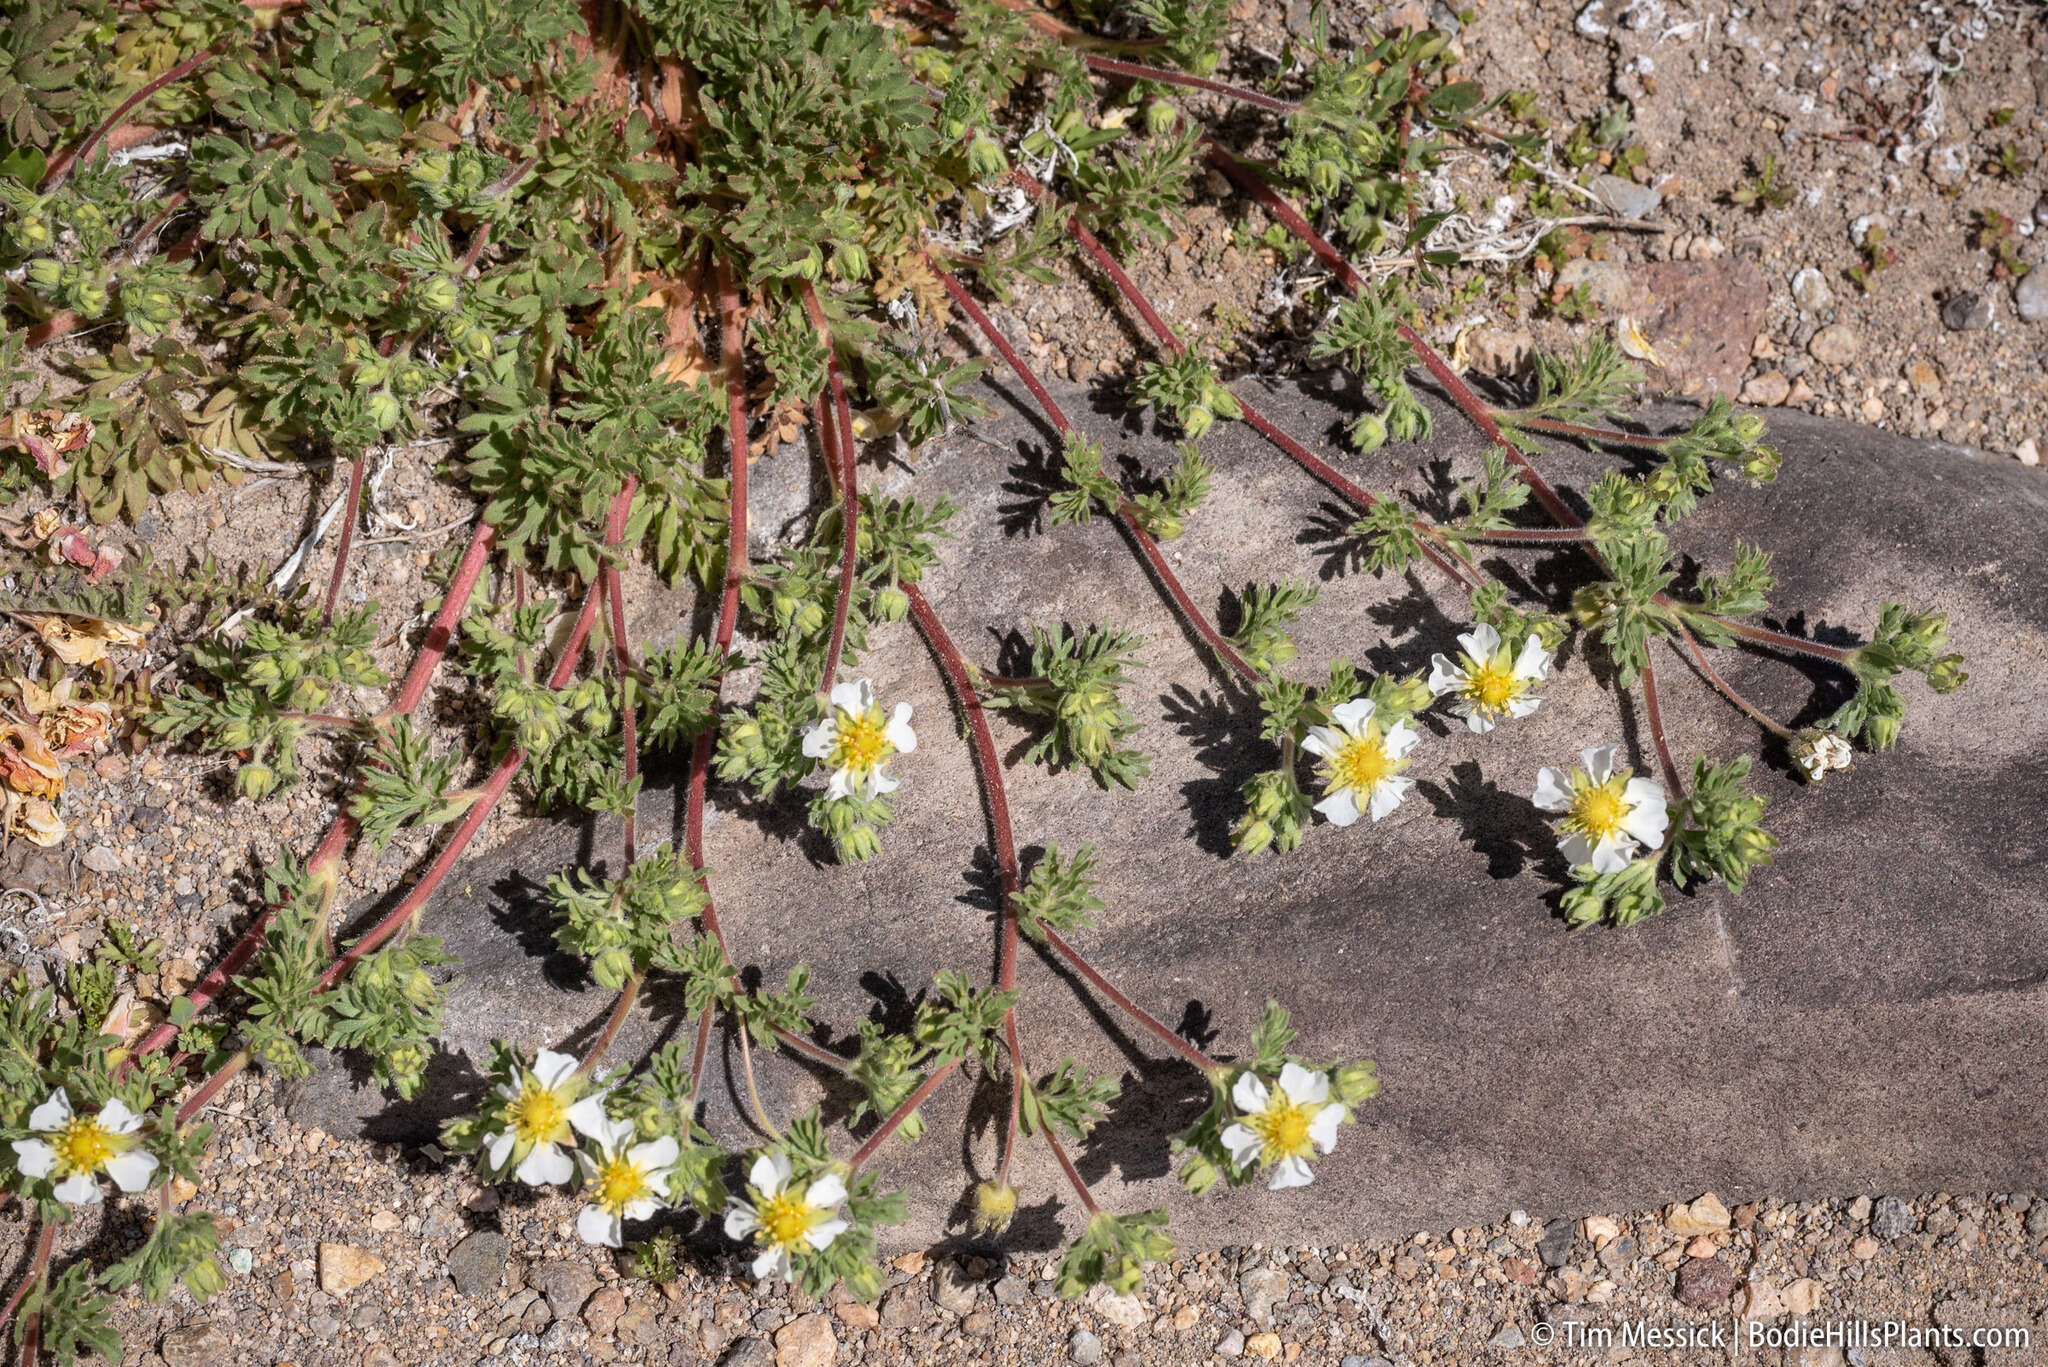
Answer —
(1503, 826)
(1230, 747)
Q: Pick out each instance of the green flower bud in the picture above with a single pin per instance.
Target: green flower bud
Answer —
(383, 410)
(850, 262)
(88, 217)
(204, 1279)
(90, 298)
(1763, 463)
(474, 344)
(438, 294)
(985, 159)
(32, 232)
(1223, 402)
(1198, 1174)
(1747, 427)
(1369, 433)
(1883, 732)
(810, 617)
(812, 265)
(46, 274)
(1407, 420)
(1252, 836)
(1665, 483)
(1327, 177)
(1358, 1082)
(469, 173)
(1160, 117)
(1591, 604)
(411, 381)
(858, 844)
(1164, 526)
(1946, 674)
(891, 604)
(994, 1205)
(431, 169)
(1196, 420)
(256, 780)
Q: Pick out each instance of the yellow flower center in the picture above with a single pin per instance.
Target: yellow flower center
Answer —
(84, 1145)
(619, 1184)
(1599, 809)
(1492, 685)
(784, 1220)
(1282, 1128)
(1361, 763)
(859, 743)
(538, 1115)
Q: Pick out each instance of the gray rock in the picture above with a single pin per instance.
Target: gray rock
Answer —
(1508, 1337)
(1084, 1348)
(1625, 197)
(1966, 312)
(952, 1288)
(1555, 1247)
(1426, 943)
(1354, 1360)
(1231, 1345)
(1810, 291)
(749, 1352)
(1705, 1283)
(902, 1308)
(477, 1264)
(2030, 296)
(1262, 1288)
(1891, 1218)
(566, 1284)
(102, 859)
(196, 1345)
(2037, 1220)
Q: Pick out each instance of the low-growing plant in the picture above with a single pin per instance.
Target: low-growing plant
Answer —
(611, 252)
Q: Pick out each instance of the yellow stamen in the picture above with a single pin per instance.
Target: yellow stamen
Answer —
(859, 742)
(1361, 763)
(538, 1114)
(1599, 809)
(1282, 1128)
(619, 1184)
(1492, 685)
(784, 1220)
(84, 1145)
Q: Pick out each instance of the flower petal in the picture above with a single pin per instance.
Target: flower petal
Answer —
(118, 1119)
(1534, 661)
(1477, 720)
(898, 732)
(769, 1262)
(1341, 807)
(1353, 715)
(1401, 739)
(498, 1148)
(840, 785)
(1322, 742)
(588, 1118)
(1612, 854)
(553, 1069)
(131, 1170)
(1599, 761)
(546, 1166)
(599, 1226)
(640, 1209)
(852, 697)
(52, 1114)
(1244, 1144)
(1249, 1092)
(770, 1173)
(34, 1157)
(1553, 790)
(819, 740)
(1480, 642)
(1290, 1172)
(1577, 849)
(826, 1193)
(1322, 1131)
(822, 1234)
(659, 1156)
(1444, 677)
(1387, 795)
(1304, 1087)
(740, 1221)
(79, 1189)
(1523, 706)
(879, 783)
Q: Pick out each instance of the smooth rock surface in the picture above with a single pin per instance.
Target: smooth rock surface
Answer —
(1867, 1015)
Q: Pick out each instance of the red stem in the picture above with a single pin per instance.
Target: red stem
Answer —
(54, 175)
(211, 1088)
(1136, 1012)
(37, 1265)
(1067, 1166)
(622, 656)
(1727, 690)
(349, 515)
(841, 461)
(1670, 767)
(1141, 72)
(899, 1115)
(1125, 513)
(1606, 435)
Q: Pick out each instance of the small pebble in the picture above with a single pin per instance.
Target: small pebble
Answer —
(1966, 312)
(1084, 1348)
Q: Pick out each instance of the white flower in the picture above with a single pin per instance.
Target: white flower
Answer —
(536, 1117)
(1487, 683)
(80, 1147)
(1607, 813)
(1360, 763)
(623, 1183)
(1282, 1124)
(1819, 752)
(783, 1220)
(855, 741)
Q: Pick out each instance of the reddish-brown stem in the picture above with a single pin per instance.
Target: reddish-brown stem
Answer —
(1067, 1166)
(211, 1088)
(1125, 512)
(1566, 535)
(622, 1008)
(1130, 1008)
(1780, 641)
(476, 249)
(1140, 72)
(1727, 690)
(1265, 426)
(841, 459)
(622, 657)
(38, 1265)
(61, 167)
(349, 514)
(1670, 766)
(1018, 1072)
(326, 857)
(899, 1115)
(1607, 436)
